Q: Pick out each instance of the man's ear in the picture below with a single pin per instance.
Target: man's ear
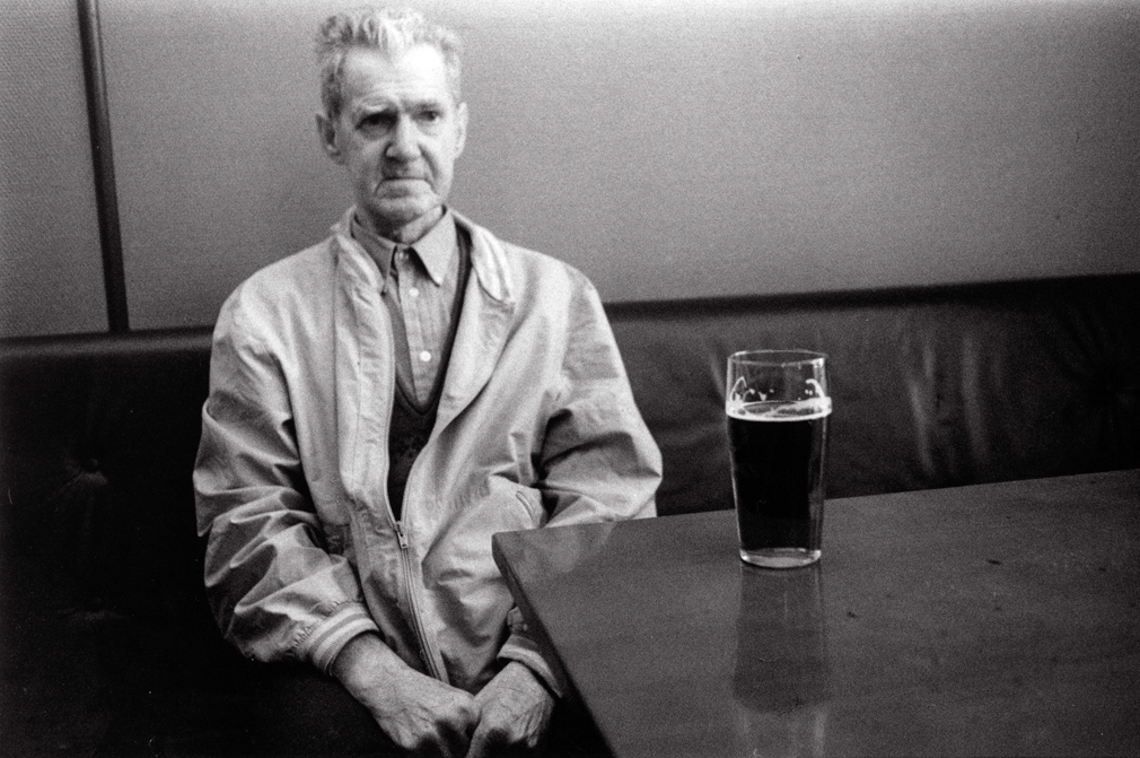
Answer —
(326, 131)
(461, 128)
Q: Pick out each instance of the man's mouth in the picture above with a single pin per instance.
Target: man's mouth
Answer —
(399, 186)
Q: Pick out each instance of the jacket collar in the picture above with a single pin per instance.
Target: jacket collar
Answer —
(489, 262)
(484, 326)
(436, 250)
(488, 258)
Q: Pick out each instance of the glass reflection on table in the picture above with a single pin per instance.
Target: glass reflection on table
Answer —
(780, 679)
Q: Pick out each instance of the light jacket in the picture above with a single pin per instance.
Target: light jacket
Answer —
(536, 427)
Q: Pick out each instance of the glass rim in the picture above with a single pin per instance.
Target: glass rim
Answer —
(777, 357)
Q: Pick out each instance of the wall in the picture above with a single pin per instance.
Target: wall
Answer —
(51, 277)
(668, 148)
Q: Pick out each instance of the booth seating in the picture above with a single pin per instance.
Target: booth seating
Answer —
(106, 644)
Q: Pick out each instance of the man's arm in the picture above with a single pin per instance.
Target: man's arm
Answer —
(598, 460)
(275, 589)
(598, 463)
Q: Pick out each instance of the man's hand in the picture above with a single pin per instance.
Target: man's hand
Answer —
(420, 714)
(514, 712)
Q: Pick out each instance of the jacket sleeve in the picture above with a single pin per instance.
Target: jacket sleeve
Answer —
(598, 461)
(274, 589)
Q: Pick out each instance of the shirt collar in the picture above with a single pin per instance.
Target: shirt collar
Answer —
(435, 249)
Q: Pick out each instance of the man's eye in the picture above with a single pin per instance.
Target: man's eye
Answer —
(375, 120)
(431, 116)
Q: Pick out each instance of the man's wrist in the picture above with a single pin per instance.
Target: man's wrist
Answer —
(521, 648)
(329, 637)
(538, 677)
(365, 650)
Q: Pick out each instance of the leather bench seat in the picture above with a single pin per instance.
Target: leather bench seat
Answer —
(931, 388)
(106, 645)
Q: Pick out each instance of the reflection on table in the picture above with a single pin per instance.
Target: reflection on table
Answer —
(988, 620)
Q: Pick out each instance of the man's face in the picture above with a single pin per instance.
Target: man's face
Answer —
(398, 133)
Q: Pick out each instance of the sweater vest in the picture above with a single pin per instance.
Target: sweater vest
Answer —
(411, 423)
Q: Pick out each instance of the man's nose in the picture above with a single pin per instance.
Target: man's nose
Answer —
(404, 145)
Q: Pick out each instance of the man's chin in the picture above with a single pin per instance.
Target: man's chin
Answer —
(392, 214)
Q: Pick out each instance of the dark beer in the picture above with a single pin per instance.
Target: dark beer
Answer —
(777, 455)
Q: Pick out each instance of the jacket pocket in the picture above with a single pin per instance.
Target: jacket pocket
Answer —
(510, 504)
(531, 500)
(494, 505)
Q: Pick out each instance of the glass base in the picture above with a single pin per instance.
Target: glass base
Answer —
(780, 557)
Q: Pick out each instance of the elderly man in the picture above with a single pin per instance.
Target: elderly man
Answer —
(385, 401)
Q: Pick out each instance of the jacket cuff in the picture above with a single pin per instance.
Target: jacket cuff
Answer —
(329, 637)
(522, 647)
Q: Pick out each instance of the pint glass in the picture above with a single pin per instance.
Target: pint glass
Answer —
(777, 405)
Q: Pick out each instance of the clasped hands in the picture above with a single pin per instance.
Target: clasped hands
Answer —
(428, 717)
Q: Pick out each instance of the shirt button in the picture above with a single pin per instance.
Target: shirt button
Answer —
(425, 356)
(414, 292)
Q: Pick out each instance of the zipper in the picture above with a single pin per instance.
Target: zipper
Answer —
(426, 649)
(417, 623)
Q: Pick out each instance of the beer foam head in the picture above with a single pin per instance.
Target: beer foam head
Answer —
(753, 404)
(779, 410)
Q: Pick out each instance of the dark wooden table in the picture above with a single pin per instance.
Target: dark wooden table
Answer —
(999, 619)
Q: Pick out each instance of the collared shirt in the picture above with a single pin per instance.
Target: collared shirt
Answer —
(420, 283)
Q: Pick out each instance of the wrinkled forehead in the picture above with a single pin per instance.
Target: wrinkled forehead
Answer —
(419, 69)
(416, 75)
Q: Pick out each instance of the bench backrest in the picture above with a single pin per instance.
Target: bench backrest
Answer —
(932, 388)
